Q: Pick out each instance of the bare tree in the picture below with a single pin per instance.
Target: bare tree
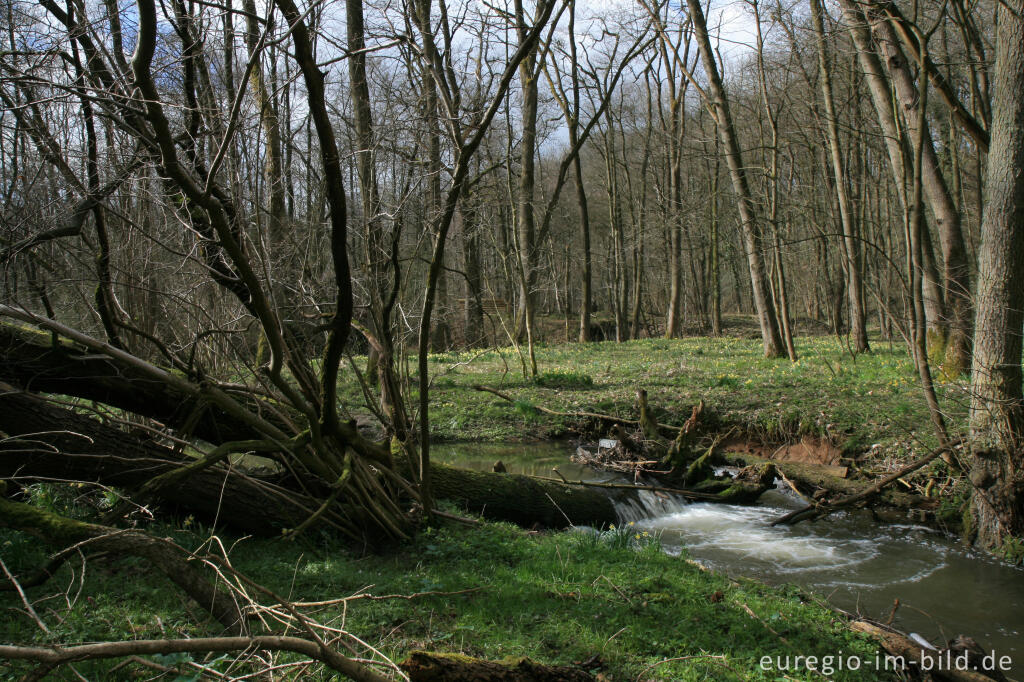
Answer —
(752, 236)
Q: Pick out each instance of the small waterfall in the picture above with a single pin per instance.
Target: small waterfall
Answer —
(647, 504)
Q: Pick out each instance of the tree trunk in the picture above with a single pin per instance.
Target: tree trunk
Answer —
(956, 270)
(997, 408)
(51, 442)
(752, 239)
(855, 295)
(896, 144)
(716, 275)
(473, 312)
(526, 228)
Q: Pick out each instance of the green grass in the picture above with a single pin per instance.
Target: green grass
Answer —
(873, 399)
(558, 598)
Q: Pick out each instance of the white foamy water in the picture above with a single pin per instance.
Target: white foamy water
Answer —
(744, 533)
(858, 564)
(648, 504)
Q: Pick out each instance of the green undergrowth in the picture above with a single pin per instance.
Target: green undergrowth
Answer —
(558, 598)
(872, 399)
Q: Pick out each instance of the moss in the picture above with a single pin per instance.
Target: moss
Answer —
(54, 528)
(951, 511)
(936, 340)
(968, 530)
(954, 364)
(1012, 550)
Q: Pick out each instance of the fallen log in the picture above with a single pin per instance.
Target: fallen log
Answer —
(522, 500)
(424, 666)
(917, 658)
(60, 532)
(31, 360)
(748, 484)
(46, 441)
(691, 494)
(816, 511)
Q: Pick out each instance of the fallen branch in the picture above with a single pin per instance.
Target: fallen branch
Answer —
(629, 486)
(376, 597)
(164, 555)
(816, 511)
(591, 415)
(424, 666)
(50, 657)
(903, 648)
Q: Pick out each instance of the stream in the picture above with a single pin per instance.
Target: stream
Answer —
(858, 564)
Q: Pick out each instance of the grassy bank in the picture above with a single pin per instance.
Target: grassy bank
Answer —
(562, 598)
(871, 400)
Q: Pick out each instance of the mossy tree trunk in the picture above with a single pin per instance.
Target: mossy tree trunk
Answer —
(997, 404)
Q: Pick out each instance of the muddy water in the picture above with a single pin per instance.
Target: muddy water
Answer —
(857, 564)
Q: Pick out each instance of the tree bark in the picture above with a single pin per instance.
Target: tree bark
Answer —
(956, 270)
(997, 405)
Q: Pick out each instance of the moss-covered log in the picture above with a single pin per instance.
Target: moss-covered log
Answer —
(43, 440)
(60, 533)
(424, 666)
(521, 499)
(30, 360)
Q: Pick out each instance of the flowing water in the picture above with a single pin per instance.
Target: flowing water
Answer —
(857, 564)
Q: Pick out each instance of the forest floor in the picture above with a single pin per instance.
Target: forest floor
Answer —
(868, 404)
(612, 597)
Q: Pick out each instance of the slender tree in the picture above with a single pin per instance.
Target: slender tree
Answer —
(750, 223)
